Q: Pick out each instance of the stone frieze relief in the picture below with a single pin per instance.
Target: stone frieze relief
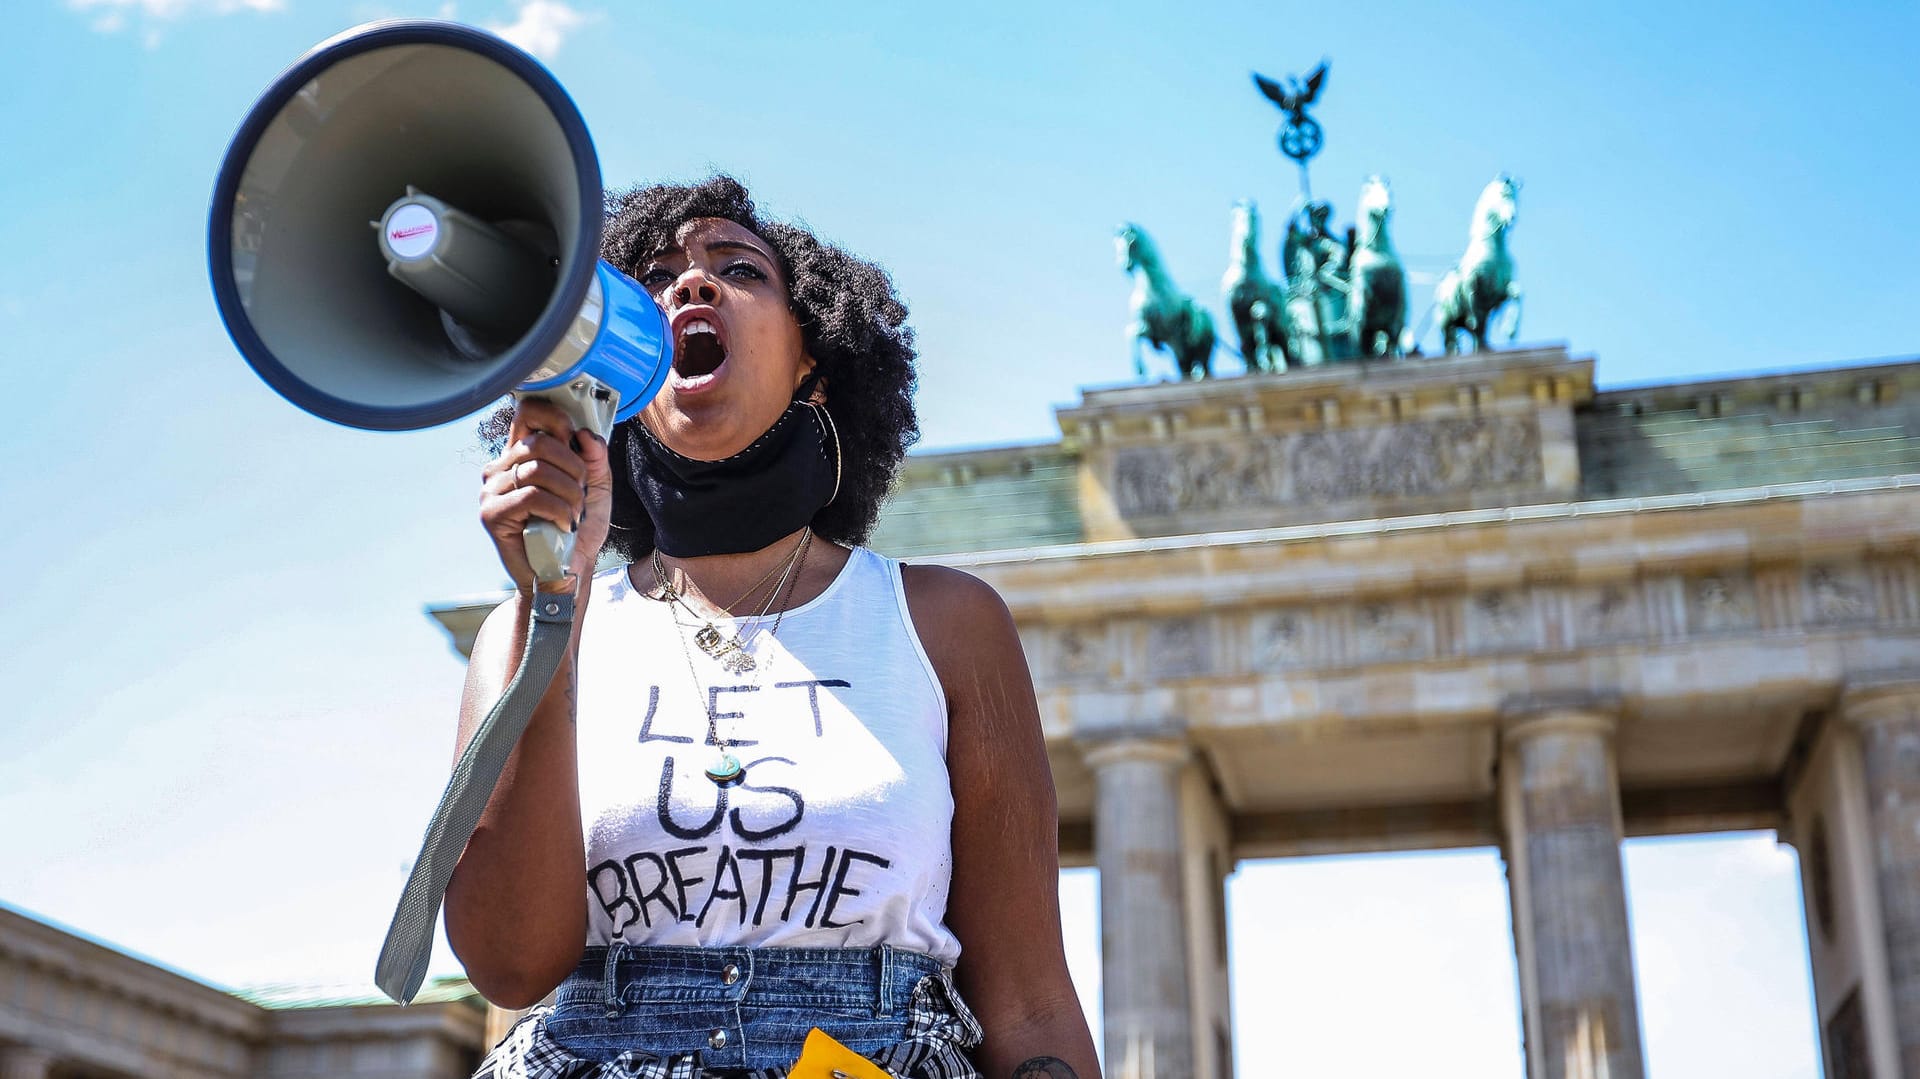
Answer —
(1179, 648)
(1400, 460)
(1515, 620)
(1838, 595)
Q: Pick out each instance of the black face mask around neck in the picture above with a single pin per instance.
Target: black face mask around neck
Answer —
(745, 502)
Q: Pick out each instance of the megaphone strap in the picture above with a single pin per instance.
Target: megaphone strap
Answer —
(402, 966)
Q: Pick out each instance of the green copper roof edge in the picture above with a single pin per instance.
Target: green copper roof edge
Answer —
(1607, 507)
(289, 996)
(1723, 378)
(922, 453)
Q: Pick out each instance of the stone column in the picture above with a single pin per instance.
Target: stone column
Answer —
(1207, 861)
(1560, 811)
(1886, 718)
(25, 1062)
(1143, 923)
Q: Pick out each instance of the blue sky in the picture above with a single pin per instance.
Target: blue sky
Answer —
(230, 718)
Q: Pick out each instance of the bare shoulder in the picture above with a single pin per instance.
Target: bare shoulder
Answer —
(947, 589)
(970, 637)
(955, 612)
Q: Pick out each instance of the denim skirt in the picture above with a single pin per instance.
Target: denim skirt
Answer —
(630, 1012)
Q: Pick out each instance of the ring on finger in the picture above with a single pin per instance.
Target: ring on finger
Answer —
(516, 474)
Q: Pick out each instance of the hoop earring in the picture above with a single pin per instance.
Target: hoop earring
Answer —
(828, 427)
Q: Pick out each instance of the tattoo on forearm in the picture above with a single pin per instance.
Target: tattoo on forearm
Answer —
(1044, 1068)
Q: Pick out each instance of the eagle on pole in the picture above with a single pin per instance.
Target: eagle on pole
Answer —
(1300, 137)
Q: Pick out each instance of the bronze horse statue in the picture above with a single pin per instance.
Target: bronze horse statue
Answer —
(1377, 300)
(1163, 316)
(1257, 304)
(1471, 293)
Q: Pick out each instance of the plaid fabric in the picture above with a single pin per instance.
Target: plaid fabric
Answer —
(940, 1030)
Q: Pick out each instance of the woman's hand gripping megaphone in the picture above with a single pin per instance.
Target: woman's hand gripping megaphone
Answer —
(552, 480)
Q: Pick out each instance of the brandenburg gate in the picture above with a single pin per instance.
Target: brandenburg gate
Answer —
(1469, 602)
(1462, 602)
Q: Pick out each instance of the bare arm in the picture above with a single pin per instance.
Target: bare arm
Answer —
(1004, 904)
(516, 906)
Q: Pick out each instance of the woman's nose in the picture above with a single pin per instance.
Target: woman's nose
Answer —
(694, 287)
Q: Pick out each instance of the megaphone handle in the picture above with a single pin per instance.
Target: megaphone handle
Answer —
(591, 405)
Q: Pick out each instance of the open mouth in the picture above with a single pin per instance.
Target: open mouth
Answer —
(697, 349)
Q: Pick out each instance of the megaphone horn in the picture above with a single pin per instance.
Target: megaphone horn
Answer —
(481, 274)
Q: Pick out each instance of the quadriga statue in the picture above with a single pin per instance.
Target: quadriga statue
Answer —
(1470, 294)
(1163, 316)
(1257, 304)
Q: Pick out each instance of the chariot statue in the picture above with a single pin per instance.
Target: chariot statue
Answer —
(1337, 296)
(1316, 265)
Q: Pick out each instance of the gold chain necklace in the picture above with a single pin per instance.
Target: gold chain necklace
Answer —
(728, 770)
(764, 578)
(729, 649)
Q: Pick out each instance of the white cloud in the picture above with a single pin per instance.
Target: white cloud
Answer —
(113, 16)
(541, 26)
(174, 9)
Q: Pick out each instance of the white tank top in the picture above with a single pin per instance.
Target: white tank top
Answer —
(840, 834)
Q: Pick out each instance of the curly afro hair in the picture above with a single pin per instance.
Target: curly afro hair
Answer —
(852, 324)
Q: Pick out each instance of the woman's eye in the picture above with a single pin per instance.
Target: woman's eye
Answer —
(656, 278)
(746, 270)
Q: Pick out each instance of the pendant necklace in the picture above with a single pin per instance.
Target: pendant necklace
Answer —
(727, 770)
(730, 650)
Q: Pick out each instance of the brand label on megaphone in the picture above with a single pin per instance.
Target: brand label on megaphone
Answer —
(411, 231)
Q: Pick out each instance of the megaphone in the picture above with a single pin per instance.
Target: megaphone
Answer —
(407, 226)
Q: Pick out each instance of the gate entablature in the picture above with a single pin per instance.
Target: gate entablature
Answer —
(1351, 442)
(1359, 665)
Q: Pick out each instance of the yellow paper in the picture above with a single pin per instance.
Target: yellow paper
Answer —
(823, 1058)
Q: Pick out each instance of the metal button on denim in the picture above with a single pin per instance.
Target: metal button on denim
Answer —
(717, 1039)
(730, 974)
